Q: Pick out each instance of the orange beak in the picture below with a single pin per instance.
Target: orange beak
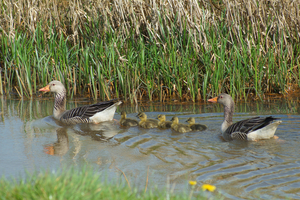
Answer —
(45, 89)
(213, 100)
(49, 150)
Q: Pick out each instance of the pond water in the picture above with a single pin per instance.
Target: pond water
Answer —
(31, 140)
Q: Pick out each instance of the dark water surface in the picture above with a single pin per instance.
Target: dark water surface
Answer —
(270, 169)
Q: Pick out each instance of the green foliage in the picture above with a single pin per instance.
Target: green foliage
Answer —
(172, 56)
(74, 184)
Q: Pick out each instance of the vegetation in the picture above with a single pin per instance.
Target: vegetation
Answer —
(152, 49)
(84, 184)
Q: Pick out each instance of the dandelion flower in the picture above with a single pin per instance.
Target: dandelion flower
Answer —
(208, 187)
(192, 183)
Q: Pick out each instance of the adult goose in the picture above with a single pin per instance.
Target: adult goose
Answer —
(194, 126)
(95, 113)
(162, 122)
(146, 123)
(124, 121)
(179, 127)
(252, 129)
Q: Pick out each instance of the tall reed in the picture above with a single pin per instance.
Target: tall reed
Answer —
(153, 49)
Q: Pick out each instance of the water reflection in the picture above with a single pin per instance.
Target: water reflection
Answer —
(99, 132)
(61, 146)
(266, 169)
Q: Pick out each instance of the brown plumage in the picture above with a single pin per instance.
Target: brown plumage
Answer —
(163, 123)
(182, 128)
(124, 121)
(146, 123)
(194, 126)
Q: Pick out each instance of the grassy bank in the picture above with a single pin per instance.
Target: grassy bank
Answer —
(84, 184)
(144, 49)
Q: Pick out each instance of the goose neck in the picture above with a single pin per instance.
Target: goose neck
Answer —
(228, 113)
(59, 104)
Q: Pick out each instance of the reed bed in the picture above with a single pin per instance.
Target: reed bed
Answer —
(150, 49)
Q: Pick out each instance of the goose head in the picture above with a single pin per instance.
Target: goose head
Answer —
(224, 99)
(123, 115)
(161, 118)
(227, 102)
(142, 116)
(53, 86)
(175, 120)
(191, 120)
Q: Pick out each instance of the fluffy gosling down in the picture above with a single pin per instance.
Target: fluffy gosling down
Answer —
(146, 123)
(194, 126)
(124, 121)
(182, 128)
(163, 123)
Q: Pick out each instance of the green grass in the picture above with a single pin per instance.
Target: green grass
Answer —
(117, 55)
(81, 184)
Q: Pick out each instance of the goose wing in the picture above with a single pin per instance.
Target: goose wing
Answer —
(239, 129)
(82, 114)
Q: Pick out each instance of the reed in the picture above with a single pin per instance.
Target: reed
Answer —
(150, 49)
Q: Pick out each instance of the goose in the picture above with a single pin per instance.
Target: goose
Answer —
(162, 122)
(194, 126)
(252, 129)
(127, 121)
(182, 128)
(95, 113)
(146, 123)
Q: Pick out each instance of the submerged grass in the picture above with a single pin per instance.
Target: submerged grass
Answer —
(80, 184)
(150, 49)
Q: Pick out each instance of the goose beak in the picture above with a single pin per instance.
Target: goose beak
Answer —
(45, 89)
(213, 100)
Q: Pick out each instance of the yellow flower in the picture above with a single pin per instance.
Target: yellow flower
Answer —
(192, 183)
(208, 187)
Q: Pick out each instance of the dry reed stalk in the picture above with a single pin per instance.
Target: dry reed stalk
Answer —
(1, 86)
(262, 25)
(124, 177)
(127, 15)
(147, 179)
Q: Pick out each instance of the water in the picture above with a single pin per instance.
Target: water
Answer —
(30, 140)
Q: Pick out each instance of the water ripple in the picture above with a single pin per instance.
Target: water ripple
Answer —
(268, 169)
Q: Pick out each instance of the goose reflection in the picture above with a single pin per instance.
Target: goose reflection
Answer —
(60, 147)
(99, 132)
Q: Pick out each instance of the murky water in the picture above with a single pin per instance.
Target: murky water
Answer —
(270, 169)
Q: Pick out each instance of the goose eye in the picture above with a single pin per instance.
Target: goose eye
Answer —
(221, 97)
(53, 84)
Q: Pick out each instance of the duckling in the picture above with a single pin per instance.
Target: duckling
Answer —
(195, 127)
(182, 128)
(127, 121)
(146, 123)
(162, 122)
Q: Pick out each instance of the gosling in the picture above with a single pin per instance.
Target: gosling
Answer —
(163, 123)
(146, 123)
(182, 128)
(194, 126)
(127, 121)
